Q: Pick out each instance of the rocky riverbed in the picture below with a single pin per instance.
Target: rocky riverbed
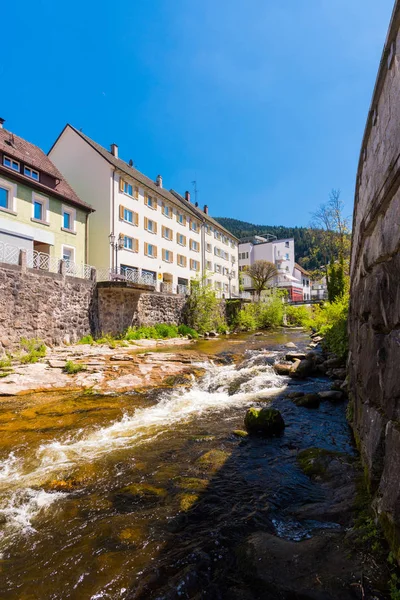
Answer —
(159, 492)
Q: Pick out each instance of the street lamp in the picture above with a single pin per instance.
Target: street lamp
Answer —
(230, 275)
(116, 246)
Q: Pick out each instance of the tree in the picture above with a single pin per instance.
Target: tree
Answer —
(332, 239)
(262, 272)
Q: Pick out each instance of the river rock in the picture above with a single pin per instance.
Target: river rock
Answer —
(293, 395)
(331, 395)
(340, 373)
(308, 401)
(282, 368)
(212, 334)
(290, 345)
(293, 356)
(302, 369)
(334, 363)
(267, 421)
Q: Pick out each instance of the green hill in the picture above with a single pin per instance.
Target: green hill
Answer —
(303, 238)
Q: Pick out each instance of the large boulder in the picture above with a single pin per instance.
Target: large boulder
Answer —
(302, 369)
(266, 421)
(332, 395)
(293, 356)
(282, 368)
(308, 401)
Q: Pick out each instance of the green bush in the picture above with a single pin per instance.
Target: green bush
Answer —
(5, 362)
(298, 315)
(34, 349)
(87, 339)
(330, 321)
(71, 368)
(260, 315)
(186, 330)
(204, 308)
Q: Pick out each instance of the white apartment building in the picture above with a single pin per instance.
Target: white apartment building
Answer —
(161, 237)
(281, 253)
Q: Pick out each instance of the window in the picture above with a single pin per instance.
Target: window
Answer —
(181, 239)
(11, 164)
(150, 225)
(31, 173)
(181, 260)
(194, 265)
(194, 245)
(217, 235)
(128, 243)
(233, 259)
(128, 215)
(287, 256)
(131, 244)
(193, 225)
(167, 211)
(38, 210)
(68, 254)
(150, 250)
(287, 244)
(167, 233)
(4, 198)
(247, 255)
(168, 256)
(127, 188)
(68, 219)
(216, 251)
(180, 217)
(209, 248)
(217, 268)
(209, 265)
(150, 201)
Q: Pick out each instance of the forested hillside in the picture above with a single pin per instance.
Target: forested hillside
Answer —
(306, 247)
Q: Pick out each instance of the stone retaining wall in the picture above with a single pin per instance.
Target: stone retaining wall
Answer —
(374, 321)
(38, 304)
(119, 305)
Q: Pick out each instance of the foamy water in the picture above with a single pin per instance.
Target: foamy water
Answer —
(22, 500)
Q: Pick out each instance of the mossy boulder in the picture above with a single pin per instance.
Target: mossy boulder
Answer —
(193, 484)
(265, 421)
(240, 433)
(315, 461)
(142, 494)
(186, 501)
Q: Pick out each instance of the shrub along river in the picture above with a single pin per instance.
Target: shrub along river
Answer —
(152, 495)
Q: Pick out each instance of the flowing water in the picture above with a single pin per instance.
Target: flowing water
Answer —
(113, 496)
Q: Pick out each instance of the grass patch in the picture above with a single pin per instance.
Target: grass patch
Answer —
(5, 363)
(87, 339)
(35, 349)
(71, 368)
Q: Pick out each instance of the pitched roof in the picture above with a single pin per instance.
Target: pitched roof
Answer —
(120, 164)
(32, 156)
(301, 269)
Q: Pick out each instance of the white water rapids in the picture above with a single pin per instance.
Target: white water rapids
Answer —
(22, 498)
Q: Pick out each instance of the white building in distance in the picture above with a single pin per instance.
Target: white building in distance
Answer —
(163, 238)
(291, 276)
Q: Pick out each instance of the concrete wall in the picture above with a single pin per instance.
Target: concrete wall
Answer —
(374, 322)
(38, 304)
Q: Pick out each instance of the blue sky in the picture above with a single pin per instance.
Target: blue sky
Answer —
(263, 102)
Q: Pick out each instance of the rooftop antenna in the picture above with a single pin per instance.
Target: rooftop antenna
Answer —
(194, 184)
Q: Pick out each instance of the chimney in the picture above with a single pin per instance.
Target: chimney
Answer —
(206, 209)
(114, 150)
(159, 181)
(187, 196)
(1, 123)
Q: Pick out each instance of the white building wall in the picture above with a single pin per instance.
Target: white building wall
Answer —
(91, 178)
(98, 183)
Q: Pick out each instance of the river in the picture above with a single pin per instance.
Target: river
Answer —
(150, 495)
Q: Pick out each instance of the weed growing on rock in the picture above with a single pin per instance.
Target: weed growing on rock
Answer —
(71, 368)
(34, 349)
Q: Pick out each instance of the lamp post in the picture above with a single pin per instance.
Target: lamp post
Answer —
(116, 246)
(230, 279)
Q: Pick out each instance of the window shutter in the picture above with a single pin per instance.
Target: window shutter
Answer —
(155, 251)
(144, 196)
(184, 240)
(146, 223)
(163, 231)
(177, 238)
(146, 248)
(163, 254)
(171, 259)
(136, 245)
(121, 211)
(121, 184)
(198, 266)
(136, 218)
(136, 193)
(155, 227)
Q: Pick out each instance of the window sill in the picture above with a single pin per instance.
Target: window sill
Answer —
(68, 230)
(129, 250)
(151, 207)
(167, 216)
(182, 224)
(153, 232)
(149, 256)
(127, 222)
(8, 211)
(40, 222)
(166, 238)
